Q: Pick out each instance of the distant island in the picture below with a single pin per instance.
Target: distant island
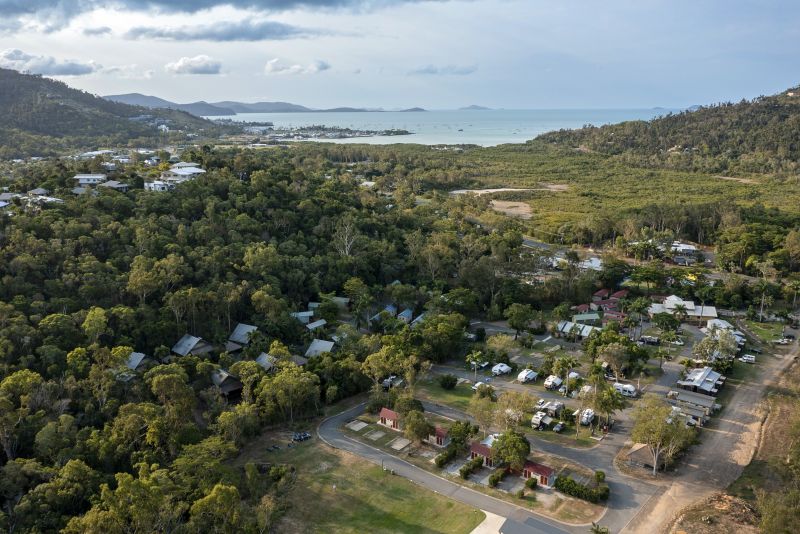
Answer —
(229, 108)
(474, 107)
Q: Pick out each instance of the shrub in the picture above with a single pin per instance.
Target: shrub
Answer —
(448, 381)
(468, 468)
(521, 494)
(575, 489)
(406, 404)
(531, 483)
(496, 477)
(446, 456)
(600, 476)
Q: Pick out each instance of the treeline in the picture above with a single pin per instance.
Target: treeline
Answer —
(758, 136)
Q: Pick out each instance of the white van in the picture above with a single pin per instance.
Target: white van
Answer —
(627, 390)
(528, 375)
(552, 382)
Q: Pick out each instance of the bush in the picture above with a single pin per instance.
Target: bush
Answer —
(521, 494)
(406, 404)
(496, 477)
(600, 476)
(575, 489)
(531, 483)
(468, 468)
(446, 456)
(448, 381)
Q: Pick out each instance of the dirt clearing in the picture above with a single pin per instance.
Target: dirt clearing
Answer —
(519, 210)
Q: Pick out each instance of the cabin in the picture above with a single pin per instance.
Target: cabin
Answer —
(702, 380)
(190, 344)
(228, 384)
(316, 325)
(601, 294)
(439, 437)
(483, 449)
(406, 315)
(639, 455)
(389, 418)
(303, 316)
(619, 295)
(240, 337)
(319, 346)
(266, 361)
(545, 476)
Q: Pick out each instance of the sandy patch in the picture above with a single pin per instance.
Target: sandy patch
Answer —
(356, 426)
(399, 444)
(520, 210)
(490, 525)
(740, 180)
(490, 190)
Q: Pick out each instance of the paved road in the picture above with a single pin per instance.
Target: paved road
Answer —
(329, 431)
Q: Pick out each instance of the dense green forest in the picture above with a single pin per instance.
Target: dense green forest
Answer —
(44, 117)
(758, 136)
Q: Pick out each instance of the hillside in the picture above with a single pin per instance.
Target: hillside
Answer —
(758, 136)
(199, 109)
(43, 117)
(262, 107)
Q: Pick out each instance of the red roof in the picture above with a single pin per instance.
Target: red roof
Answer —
(602, 292)
(388, 414)
(621, 294)
(440, 432)
(479, 448)
(613, 315)
(607, 302)
(538, 469)
(582, 308)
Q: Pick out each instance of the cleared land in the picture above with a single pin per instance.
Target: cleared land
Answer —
(338, 492)
(519, 210)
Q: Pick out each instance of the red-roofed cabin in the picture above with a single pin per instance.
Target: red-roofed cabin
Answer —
(605, 305)
(544, 475)
(613, 316)
(484, 451)
(601, 294)
(621, 294)
(439, 437)
(389, 418)
(582, 308)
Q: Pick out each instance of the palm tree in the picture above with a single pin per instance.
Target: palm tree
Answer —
(668, 337)
(566, 364)
(680, 312)
(475, 358)
(794, 285)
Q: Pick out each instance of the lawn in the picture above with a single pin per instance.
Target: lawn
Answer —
(338, 492)
(458, 397)
(765, 331)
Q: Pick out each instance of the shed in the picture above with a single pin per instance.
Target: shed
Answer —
(389, 418)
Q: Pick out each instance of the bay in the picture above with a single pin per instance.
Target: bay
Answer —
(479, 127)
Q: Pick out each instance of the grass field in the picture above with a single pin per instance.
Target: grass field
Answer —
(458, 397)
(338, 492)
(765, 331)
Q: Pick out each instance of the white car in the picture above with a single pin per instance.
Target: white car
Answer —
(501, 369)
(678, 342)
(748, 358)
(477, 385)
(587, 416)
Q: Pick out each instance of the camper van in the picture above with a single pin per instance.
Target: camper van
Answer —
(552, 382)
(528, 375)
(626, 390)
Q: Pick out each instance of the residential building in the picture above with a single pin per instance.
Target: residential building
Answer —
(439, 437)
(226, 382)
(159, 186)
(303, 316)
(586, 318)
(389, 418)
(545, 476)
(89, 179)
(190, 344)
(316, 325)
(690, 309)
(581, 331)
(240, 337)
(483, 449)
(406, 315)
(266, 361)
(319, 346)
(601, 294)
(702, 380)
(115, 185)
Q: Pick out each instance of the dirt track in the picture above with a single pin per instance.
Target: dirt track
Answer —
(726, 448)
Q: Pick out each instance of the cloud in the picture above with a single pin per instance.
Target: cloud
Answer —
(274, 66)
(444, 70)
(14, 58)
(52, 15)
(201, 64)
(224, 31)
(94, 32)
(128, 72)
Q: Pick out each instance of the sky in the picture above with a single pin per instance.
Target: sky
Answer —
(437, 54)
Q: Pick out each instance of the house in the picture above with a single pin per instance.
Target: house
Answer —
(683, 248)
(545, 476)
(591, 264)
(298, 360)
(39, 192)
(613, 316)
(159, 186)
(419, 318)
(266, 361)
(581, 308)
(316, 324)
(691, 311)
(181, 174)
(226, 382)
(240, 337)
(115, 185)
(389, 418)
(601, 294)
(190, 344)
(702, 380)
(406, 315)
(619, 295)
(132, 364)
(586, 318)
(79, 191)
(391, 309)
(303, 316)
(342, 302)
(639, 455)
(439, 437)
(605, 305)
(4, 205)
(184, 165)
(7, 197)
(568, 328)
(319, 346)
(483, 449)
(89, 179)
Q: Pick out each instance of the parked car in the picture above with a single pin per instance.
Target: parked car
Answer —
(540, 403)
(477, 385)
(482, 365)
(678, 342)
(558, 427)
(650, 340)
(501, 369)
(748, 358)
(301, 436)
(587, 416)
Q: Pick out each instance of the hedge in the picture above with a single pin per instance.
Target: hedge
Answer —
(531, 483)
(575, 489)
(446, 456)
(496, 477)
(472, 465)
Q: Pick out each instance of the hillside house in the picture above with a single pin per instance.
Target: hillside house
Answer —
(114, 185)
(89, 179)
(240, 337)
(227, 383)
(190, 344)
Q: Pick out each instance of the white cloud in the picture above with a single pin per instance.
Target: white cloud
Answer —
(274, 66)
(14, 58)
(129, 72)
(445, 70)
(201, 64)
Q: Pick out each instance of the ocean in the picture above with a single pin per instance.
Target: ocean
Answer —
(479, 127)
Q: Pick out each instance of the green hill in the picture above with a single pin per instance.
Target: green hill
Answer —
(44, 117)
(757, 136)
